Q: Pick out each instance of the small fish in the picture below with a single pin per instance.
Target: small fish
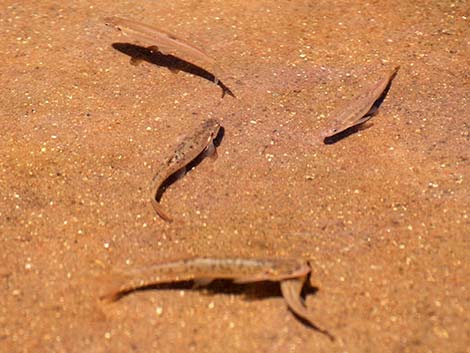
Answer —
(162, 41)
(291, 273)
(361, 108)
(200, 143)
(207, 269)
(140, 54)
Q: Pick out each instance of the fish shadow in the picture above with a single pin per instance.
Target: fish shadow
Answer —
(250, 291)
(253, 291)
(173, 63)
(349, 131)
(193, 164)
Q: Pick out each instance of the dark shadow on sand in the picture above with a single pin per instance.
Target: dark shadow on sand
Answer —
(193, 164)
(173, 63)
(350, 131)
(250, 291)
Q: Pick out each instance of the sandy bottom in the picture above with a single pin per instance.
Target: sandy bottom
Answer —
(383, 215)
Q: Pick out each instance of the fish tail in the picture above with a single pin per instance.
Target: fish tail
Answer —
(394, 72)
(158, 209)
(112, 287)
(291, 291)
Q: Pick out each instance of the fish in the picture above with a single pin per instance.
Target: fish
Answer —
(198, 144)
(164, 42)
(206, 269)
(361, 108)
(291, 273)
(140, 54)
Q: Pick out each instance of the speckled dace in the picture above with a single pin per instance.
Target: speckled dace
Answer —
(199, 143)
(360, 109)
(166, 43)
(290, 273)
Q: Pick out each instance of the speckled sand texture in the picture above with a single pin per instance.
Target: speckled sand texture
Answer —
(383, 215)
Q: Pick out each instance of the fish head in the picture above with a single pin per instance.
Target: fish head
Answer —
(330, 132)
(213, 126)
(112, 22)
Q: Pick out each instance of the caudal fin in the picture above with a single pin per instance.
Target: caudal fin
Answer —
(156, 206)
(291, 291)
(113, 286)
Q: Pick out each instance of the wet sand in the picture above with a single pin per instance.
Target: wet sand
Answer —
(383, 215)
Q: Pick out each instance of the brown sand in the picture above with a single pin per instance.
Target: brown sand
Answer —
(383, 214)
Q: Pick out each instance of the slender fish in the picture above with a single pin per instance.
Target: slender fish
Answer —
(291, 273)
(361, 108)
(162, 41)
(202, 269)
(200, 143)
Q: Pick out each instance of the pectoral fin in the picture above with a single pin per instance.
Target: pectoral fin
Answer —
(173, 70)
(201, 282)
(244, 280)
(153, 48)
(364, 118)
(211, 151)
(135, 61)
(156, 49)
